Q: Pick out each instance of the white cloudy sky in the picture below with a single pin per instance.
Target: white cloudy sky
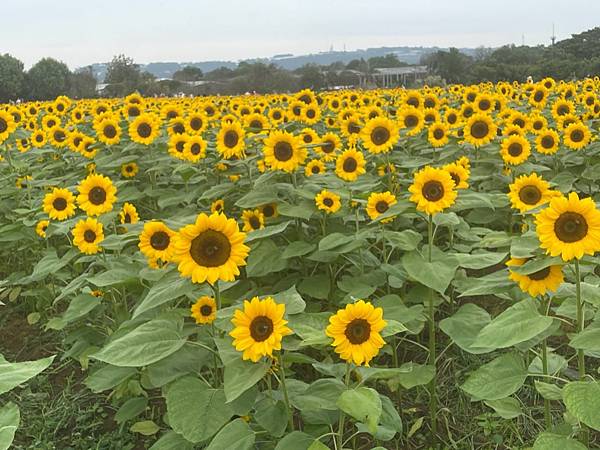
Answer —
(81, 32)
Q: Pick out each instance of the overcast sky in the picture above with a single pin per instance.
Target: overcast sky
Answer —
(81, 32)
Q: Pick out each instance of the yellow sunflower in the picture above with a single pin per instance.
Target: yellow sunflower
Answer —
(536, 283)
(515, 150)
(479, 130)
(230, 140)
(96, 195)
(211, 249)
(350, 164)
(129, 170)
(314, 167)
(41, 227)
(194, 149)
(204, 311)
(356, 332)
(87, 236)
(411, 118)
(259, 328)
(108, 131)
(144, 129)
(283, 151)
(379, 135)
(177, 144)
(253, 220)
(328, 201)
(128, 214)
(433, 190)
(379, 202)
(269, 210)
(569, 227)
(460, 174)
(438, 134)
(530, 191)
(157, 241)
(217, 206)
(547, 141)
(7, 125)
(577, 136)
(59, 204)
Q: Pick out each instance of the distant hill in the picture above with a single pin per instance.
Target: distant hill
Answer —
(410, 55)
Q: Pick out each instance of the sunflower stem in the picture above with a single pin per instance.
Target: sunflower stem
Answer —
(547, 416)
(432, 355)
(286, 399)
(217, 292)
(342, 418)
(580, 319)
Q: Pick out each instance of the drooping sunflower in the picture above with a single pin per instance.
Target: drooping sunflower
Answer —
(211, 249)
(433, 190)
(547, 141)
(87, 235)
(204, 310)
(283, 151)
(539, 282)
(460, 174)
(194, 149)
(379, 135)
(157, 241)
(128, 214)
(515, 150)
(253, 220)
(59, 204)
(314, 167)
(259, 328)
(350, 164)
(569, 227)
(356, 332)
(96, 195)
(379, 202)
(41, 228)
(218, 206)
(230, 140)
(328, 201)
(144, 129)
(129, 170)
(479, 130)
(577, 136)
(530, 191)
(269, 210)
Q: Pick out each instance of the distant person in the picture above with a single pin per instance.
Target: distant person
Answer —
(529, 79)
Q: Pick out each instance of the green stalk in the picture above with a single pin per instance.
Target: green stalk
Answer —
(547, 416)
(432, 352)
(217, 292)
(580, 320)
(286, 398)
(342, 418)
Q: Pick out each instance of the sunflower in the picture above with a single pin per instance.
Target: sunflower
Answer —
(379, 135)
(108, 131)
(87, 235)
(218, 206)
(58, 136)
(569, 227)
(328, 201)
(7, 125)
(196, 122)
(269, 210)
(433, 190)
(386, 169)
(479, 130)
(194, 149)
(96, 195)
(310, 114)
(530, 191)
(350, 165)
(128, 214)
(259, 328)
(253, 220)
(330, 143)
(356, 332)
(59, 204)
(144, 129)
(459, 173)
(204, 311)
(41, 227)
(539, 282)
(230, 140)
(256, 122)
(308, 136)
(129, 170)
(38, 138)
(547, 141)
(379, 202)
(157, 241)
(211, 249)
(314, 167)
(577, 136)
(283, 151)
(438, 134)
(177, 145)
(515, 150)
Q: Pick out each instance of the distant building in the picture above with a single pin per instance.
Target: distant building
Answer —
(397, 76)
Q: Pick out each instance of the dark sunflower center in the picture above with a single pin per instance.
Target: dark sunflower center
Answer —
(261, 328)
(353, 128)
(519, 122)
(411, 121)
(3, 125)
(196, 123)
(452, 118)
(484, 105)
(39, 137)
(433, 190)
(160, 240)
(328, 146)
(256, 124)
(277, 115)
(283, 151)
(297, 110)
(133, 111)
(429, 103)
(562, 110)
(89, 236)
(380, 135)
(438, 133)
(231, 139)
(171, 114)
(210, 249)
(110, 131)
(206, 310)
(59, 136)
(350, 165)
(547, 142)
(328, 202)
(254, 222)
(209, 110)
(268, 211)
(178, 128)
(515, 149)
(307, 138)
(538, 96)
(144, 130)
(577, 136)
(127, 218)
(311, 113)
(129, 169)
(540, 274)
(305, 98)
(479, 129)
(530, 195)
(195, 148)
(382, 206)
(77, 141)
(358, 331)
(97, 195)
(59, 204)
(179, 146)
(315, 169)
(570, 227)
(538, 125)
(455, 178)
(413, 101)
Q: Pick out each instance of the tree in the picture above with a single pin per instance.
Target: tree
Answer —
(83, 83)
(11, 78)
(453, 66)
(47, 79)
(188, 73)
(123, 77)
(311, 77)
(389, 60)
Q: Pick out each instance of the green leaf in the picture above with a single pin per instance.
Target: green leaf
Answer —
(296, 440)
(265, 258)
(298, 248)
(272, 416)
(267, 231)
(169, 287)
(318, 445)
(473, 200)
(257, 197)
(115, 277)
(240, 375)
(316, 286)
(236, 435)
(172, 441)
(14, 374)
(196, 411)
(130, 409)
(145, 427)
(321, 394)
(363, 404)
(524, 246)
(582, 399)
(507, 408)
(548, 391)
(551, 441)
(334, 240)
(437, 274)
(188, 359)
(294, 304)
(406, 240)
(9, 422)
(148, 343)
(418, 375)
(588, 339)
(108, 377)
(464, 326)
(497, 379)
(304, 210)
(479, 260)
(520, 322)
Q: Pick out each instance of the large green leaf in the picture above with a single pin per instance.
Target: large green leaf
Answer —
(464, 326)
(14, 374)
(9, 422)
(363, 404)
(240, 375)
(588, 339)
(172, 441)
(146, 344)
(296, 440)
(551, 441)
(108, 377)
(497, 379)
(582, 399)
(236, 435)
(294, 304)
(169, 287)
(437, 274)
(507, 408)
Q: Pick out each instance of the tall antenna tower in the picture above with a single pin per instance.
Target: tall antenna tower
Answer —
(553, 36)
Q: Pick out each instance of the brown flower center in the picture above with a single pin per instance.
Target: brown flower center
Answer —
(433, 191)
(438, 133)
(261, 328)
(210, 249)
(411, 121)
(110, 131)
(89, 236)
(479, 129)
(328, 202)
(97, 195)
(350, 165)
(268, 211)
(231, 139)
(540, 274)
(59, 204)
(206, 310)
(144, 130)
(254, 222)
(358, 331)
(577, 135)
(382, 206)
(195, 148)
(530, 195)
(283, 151)
(160, 240)
(196, 123)
(515, 149)
(547, 141)
(3, 125)
(380, 135)
(570, 227)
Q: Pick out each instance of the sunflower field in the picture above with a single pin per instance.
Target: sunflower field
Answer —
(332, 270)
